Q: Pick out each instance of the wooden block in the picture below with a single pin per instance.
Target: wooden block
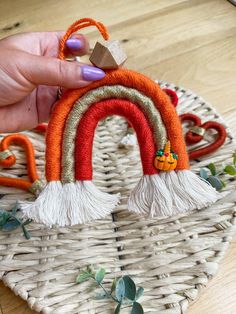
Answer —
(108, 55)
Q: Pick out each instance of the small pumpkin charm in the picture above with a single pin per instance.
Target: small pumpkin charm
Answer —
(165, 160)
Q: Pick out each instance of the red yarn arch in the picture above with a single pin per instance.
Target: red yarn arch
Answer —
(86, 130)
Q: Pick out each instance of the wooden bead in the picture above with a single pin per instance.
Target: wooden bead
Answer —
(108, 55)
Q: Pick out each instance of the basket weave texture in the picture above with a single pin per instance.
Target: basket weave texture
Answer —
(172, 258)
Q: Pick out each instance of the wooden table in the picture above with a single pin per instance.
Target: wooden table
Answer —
(191, 43)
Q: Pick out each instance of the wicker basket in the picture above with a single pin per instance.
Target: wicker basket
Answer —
(171, 258)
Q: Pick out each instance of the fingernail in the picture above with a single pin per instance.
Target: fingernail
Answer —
(90, 73)
(74, 44)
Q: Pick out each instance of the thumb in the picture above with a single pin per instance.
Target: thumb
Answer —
(50, 71)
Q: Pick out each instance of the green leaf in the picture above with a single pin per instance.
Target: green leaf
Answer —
(15, 208)
(100, 274)
(215, 182)
(130, 288)
(26, 232)
(139, 293)
(234, 158)
(89, 270)
(83, 277)
(212, 168)
(4, 216)
(203, 173)
(160, 152)
(11, 225)
(230, 170)
(120, 289)
(113, 285)
(117, 310)
(223, 183)
(137, 308)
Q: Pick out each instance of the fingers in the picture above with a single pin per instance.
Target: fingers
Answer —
(29, 112)
(45, 100)
(54, 72)
(21, 116)
(77, 45)
(47, 43)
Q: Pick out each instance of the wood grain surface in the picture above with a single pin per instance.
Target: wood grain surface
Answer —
(191, 43)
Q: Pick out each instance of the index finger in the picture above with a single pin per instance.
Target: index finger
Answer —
(77, 45)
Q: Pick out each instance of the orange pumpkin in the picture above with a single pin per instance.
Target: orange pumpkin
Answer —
(165, 159)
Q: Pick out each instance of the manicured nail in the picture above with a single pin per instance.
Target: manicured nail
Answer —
(74, 44)
(90, 73)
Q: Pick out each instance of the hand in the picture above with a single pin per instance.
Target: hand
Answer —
(30, 74)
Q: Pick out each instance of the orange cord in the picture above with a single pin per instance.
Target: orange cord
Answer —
(82, 23)
(23, 141)
(41, 128)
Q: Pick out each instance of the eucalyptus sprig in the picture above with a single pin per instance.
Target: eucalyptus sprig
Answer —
(212, 174)
(123, 291)
(10, 220)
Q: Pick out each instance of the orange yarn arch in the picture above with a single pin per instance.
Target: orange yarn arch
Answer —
(126, 78)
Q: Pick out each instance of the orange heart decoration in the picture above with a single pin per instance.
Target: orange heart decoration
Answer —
(173, 96)
(8, 159)
(195, 134)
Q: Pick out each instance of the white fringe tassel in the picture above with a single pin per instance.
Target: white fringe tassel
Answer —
(169, 193)
(163, 194)
(70, 204)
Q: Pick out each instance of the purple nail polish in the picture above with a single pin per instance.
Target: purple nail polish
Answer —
(74, 44)
(90, 73)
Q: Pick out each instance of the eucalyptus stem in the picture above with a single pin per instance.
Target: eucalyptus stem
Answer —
(9, 221)
(107, 293)
(125, 291)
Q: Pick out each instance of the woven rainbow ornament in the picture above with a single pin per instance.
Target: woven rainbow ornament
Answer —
(167, 186)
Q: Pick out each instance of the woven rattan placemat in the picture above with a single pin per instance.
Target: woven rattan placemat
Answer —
(171, 258)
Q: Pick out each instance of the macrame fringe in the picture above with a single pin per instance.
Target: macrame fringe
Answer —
(70, 204)
(171, 192)
(163, 194)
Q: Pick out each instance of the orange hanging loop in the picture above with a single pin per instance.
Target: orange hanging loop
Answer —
(8, 159)
(82, 23)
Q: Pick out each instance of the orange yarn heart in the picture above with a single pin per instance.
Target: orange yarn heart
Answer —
(192, 138)
(8, 159)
